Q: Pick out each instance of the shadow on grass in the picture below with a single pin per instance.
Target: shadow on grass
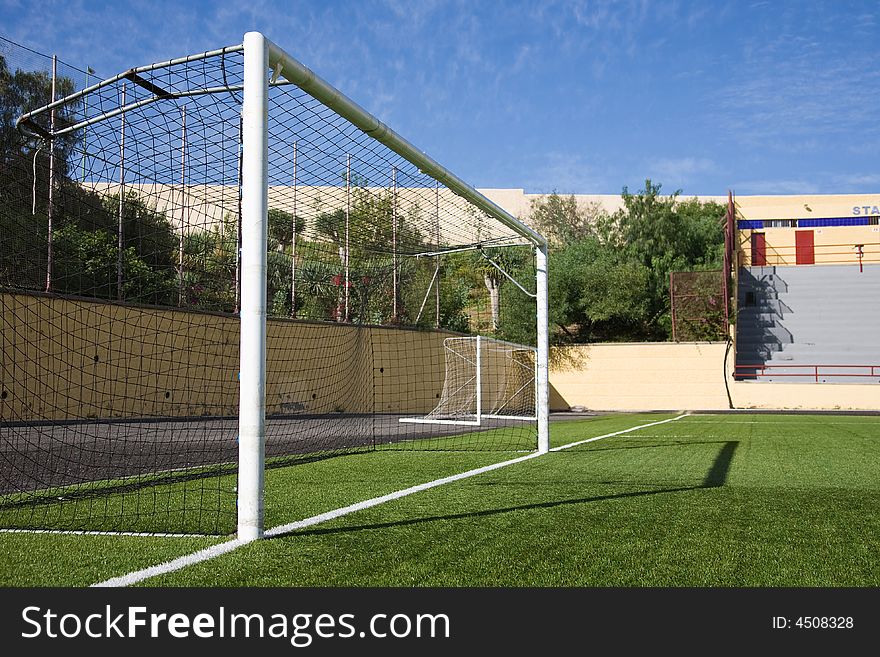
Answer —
(716, 477)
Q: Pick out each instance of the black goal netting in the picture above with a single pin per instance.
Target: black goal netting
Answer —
(120, 279)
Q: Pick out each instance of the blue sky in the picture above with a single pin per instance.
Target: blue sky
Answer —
(763, 97)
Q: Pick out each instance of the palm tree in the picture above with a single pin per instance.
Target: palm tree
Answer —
(490, 264)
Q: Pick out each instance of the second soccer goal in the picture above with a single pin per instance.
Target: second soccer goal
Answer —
(486, 379)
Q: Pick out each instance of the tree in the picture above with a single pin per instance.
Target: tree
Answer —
(85, 224)
(609, 276)
(281, 228)
(22, 92)
(489, 263)
(23, 220)
(665, 234)
(595, 294)
(561, 220)
(86, 265)
(369, 240)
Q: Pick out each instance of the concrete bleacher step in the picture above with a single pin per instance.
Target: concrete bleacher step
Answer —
(859, 341)
(818, 354)
(749, 319)
(761, 334)
(808, 315)
(801, 377)
(765, 306)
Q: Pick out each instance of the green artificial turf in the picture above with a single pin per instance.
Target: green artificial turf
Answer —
(81, 560)
(708, 500)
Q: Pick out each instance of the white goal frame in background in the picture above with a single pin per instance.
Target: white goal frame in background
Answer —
(462, 399)
(263, 59)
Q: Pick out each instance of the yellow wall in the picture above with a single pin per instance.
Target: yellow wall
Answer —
(683, 376)
(806, 206)
(642, 376)
(67, 359)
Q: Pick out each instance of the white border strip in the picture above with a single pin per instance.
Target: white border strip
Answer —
(84, 532)
(229, 546)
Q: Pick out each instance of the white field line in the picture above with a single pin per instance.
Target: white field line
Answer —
(359, 506)
(660, 436)
(858, 421)
(617, 433)
(229, 546)
(171, 566)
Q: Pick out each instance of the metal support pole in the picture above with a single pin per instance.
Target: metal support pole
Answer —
(120, 237)
(238, 228)
(437, 259)
(255, 208)
(542, 382)
(184, 216)
(50, 255)
(85, 133)
(293, 243)
(347, 222)
(479, 375)
(394, 245)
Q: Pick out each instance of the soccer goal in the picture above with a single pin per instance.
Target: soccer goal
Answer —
(227, 266)
(485, 379)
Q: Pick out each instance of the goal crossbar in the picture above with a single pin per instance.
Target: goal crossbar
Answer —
(304, 78)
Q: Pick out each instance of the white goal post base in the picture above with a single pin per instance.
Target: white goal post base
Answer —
(471, 423)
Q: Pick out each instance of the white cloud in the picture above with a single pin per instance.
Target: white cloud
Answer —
(856, 181)
(776, 187)
(566, 173)
(797, 87)
(679, 172)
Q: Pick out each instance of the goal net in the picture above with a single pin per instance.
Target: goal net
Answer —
(219, 265)
(485, 379)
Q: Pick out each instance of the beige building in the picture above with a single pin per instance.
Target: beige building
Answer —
(773, 230)
(828, 229)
